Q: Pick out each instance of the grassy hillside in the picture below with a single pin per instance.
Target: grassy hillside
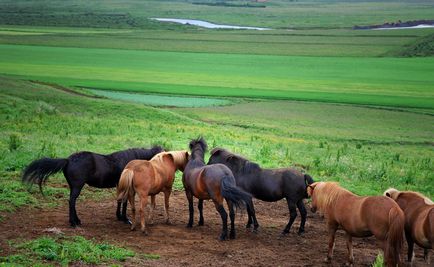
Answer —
(365, 153)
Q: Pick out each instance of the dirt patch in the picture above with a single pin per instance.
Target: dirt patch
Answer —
(199, 246)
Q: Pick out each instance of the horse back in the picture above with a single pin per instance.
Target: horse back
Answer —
(94, 169)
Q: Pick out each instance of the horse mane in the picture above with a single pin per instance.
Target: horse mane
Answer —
(328, 193)
(394, 194)
(199, 141)
(246, 165)
(179, 157)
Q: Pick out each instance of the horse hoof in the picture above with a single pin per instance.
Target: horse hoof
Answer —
(200, 224)
(189, 226)
(327, 260)
(168, 222)
(223, 237)
(301, 233)
(248, 226)
(232, 235)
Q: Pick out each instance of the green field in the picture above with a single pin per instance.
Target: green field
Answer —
(354, 106)
(396, 82)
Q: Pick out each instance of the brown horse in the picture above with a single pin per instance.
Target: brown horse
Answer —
(150, 178)
(359, 217)
(419, 219)
(214, 182)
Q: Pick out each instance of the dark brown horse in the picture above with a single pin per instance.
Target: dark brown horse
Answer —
(102, 171)
(419, 219)
(360, 217)
(148, 178)
(214, 182)
(267, 185)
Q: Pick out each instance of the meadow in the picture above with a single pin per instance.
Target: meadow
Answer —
(396, 82)
(353, 106)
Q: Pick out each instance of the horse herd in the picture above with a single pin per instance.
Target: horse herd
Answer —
(234, 179)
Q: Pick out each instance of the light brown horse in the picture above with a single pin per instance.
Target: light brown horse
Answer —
(359, 217)
(419, 219)
(149, 178)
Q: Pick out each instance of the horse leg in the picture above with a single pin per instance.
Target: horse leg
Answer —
(426, 256)
(410, 245)
(133, 212)
(303, 213)
(252, 217)
(292, 216)
(151, 211)
(143, 203)
(118, 211)
(190, 208)
(332, 232)
(124, 217)
(232, 217)
(224, 216)
(350, 250)
(200, 207)
(74, 193)
(166, 204)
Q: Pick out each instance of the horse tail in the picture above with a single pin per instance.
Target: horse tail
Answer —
(307, 181)
(39, 170)
(125, 186)
(234, 194)
(394, 237)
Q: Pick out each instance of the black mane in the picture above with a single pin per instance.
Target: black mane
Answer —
(244, 165)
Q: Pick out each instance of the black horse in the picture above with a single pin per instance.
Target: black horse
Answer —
(214, 182)
(102, 171)
(267, 185)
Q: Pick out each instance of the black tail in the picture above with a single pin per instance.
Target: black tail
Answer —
(234, 194)
(39, 170)
(307, 181)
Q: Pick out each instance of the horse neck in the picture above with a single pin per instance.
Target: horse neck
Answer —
(198, 155)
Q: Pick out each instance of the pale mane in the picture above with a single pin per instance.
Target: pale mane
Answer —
(327, 193)
(179, 157)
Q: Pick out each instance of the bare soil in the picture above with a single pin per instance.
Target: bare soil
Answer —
(198, 246)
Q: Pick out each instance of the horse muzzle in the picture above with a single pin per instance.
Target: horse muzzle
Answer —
(313, 209)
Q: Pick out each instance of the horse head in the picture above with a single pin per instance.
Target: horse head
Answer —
(310, 192)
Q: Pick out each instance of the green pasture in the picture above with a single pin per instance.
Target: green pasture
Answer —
(396, 82)
(340, 43)
(277, 14)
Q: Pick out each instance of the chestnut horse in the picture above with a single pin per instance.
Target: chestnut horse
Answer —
(419, 219)
(359, 217)
(214, 182)
(150, 178)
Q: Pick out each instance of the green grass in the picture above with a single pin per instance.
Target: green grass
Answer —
(160, 100)
(396, 82)
(277, 14)
(65, 251)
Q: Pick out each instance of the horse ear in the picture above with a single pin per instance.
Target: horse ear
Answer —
(168, 157)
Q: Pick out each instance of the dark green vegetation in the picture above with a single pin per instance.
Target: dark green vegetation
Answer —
(65, 251)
